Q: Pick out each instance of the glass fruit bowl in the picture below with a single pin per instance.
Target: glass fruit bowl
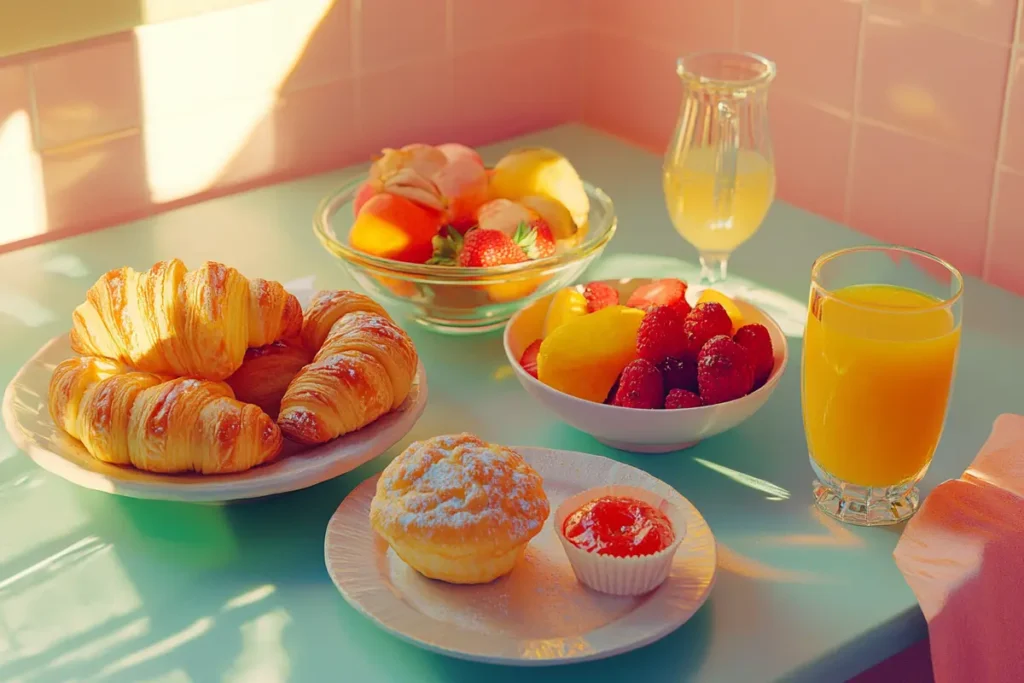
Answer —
(453, 299)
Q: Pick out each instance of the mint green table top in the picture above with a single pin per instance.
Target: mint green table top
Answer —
(101, 588)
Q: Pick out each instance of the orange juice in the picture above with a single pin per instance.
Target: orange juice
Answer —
(690, 197)
(877, 372)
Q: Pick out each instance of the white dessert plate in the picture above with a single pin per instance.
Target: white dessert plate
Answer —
(28, 421)
(537, 615)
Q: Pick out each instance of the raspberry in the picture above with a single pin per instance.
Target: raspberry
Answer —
(705, 321)
(724, 371)
(529, 359)
(679, 373)
(599, 295)
(758, 343)
(681, 398)
(661, 334)
(640, 386)
(665, 292)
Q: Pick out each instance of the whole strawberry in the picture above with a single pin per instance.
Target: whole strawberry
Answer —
(681, 398)
(724, 371)
(535, 239)
(758, 343)
(600, 295)
(667, 291)
(706, 320)
(529, 359)
(661, 334)
(679, 373)
(485, 248)
(640, 386)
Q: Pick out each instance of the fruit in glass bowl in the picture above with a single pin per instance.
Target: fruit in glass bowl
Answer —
(460, 246)
(647, 367)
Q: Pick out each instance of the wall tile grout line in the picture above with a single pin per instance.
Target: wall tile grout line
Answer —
(735, 24)
(355, 31)
(950, 27)
(1004, 126)
(858, 75)
(449, 45)
(33, 107)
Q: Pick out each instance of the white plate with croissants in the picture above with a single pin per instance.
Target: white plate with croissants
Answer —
(205, 386)
(519, 556)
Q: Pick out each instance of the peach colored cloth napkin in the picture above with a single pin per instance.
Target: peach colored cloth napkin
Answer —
(963, 556)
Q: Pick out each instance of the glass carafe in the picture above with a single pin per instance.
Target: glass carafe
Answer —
(719, 173)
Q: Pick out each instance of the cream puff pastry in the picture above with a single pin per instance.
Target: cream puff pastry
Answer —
(458, 509)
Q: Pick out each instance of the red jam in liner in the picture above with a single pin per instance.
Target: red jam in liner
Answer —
(620, 527)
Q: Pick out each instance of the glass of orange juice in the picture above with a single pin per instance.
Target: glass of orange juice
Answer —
(719, 173)
(879, 353)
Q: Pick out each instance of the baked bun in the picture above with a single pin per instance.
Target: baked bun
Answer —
(458, 509)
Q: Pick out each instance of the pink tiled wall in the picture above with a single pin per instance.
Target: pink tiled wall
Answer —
(107, 130)
(901, 118)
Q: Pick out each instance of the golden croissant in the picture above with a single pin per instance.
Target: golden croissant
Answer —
(173, 321)
(363, 368)
(266, 373)
(158, 424)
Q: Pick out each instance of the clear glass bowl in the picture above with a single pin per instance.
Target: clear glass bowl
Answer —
(458, 300)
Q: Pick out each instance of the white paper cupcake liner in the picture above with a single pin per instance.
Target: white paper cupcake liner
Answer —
(620, 575)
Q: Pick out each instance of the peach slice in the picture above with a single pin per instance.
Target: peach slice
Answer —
(412, 185)
(453, 151)
(504, 215)
(363, 194)
(423, 159)
(584, 356)
(566, 305)
(391, 226)
(554, 213)
(463, 182)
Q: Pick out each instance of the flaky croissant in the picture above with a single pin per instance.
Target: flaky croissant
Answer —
(364, 367)
(158, 424)
(266, 373)
(173, 321)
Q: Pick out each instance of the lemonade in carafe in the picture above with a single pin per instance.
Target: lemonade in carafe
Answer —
(719, 174)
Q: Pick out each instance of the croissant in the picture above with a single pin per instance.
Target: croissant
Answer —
(173, 321)
(266, 373)
(363, 368)
(158, 424)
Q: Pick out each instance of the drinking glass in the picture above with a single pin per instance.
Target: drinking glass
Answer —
(879, 354)
(719, 173)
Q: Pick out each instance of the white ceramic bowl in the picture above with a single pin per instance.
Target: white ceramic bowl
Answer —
(632, 429)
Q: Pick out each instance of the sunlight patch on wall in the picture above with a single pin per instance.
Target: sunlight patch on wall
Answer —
(203, 105)
(21, 181)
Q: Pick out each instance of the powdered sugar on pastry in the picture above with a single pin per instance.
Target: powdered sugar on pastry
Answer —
(458, 497)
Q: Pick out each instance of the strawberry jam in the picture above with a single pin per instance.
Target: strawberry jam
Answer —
(619, 527)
